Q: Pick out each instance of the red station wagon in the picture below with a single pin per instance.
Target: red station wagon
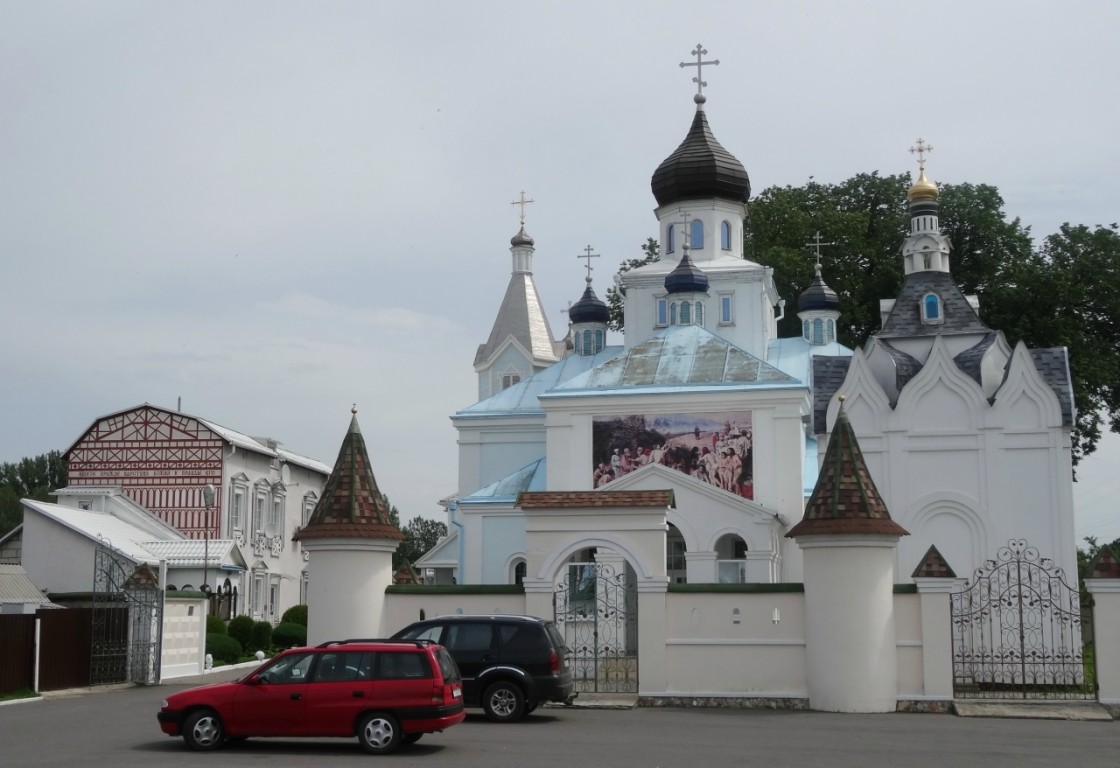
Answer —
(385, 692)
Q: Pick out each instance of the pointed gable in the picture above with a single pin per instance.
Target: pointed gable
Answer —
(521, 318)
(933, 566)
(845, 500)
(351, 505)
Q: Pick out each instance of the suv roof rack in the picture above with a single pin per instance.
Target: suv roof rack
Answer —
(416, 643)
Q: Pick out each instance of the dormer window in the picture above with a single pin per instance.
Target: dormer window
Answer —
(931, 308)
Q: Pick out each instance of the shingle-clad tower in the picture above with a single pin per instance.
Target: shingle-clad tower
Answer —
(350, 539)
(848, 542)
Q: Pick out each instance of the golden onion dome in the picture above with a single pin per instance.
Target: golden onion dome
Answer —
(923, 188)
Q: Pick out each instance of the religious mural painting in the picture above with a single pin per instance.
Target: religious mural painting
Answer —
(713, 447)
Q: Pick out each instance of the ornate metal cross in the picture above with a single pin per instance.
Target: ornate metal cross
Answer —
(587, 254)
(921, 149)
(699, 64)
(816, 246)
(522, 202)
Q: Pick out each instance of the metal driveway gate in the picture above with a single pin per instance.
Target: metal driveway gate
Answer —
(127, 623)
(1017, 631)
(596, 609)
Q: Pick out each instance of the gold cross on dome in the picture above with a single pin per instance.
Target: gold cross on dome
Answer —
(522, 202)
(699, 64)
(921, 149)
(587, 254)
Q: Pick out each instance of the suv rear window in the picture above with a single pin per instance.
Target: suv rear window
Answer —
(447, 666)
(554, 634)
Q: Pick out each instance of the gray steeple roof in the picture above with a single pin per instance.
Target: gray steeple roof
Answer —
(958, 316)
(522, 317)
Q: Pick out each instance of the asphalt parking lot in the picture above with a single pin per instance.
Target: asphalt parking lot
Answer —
(119, 728)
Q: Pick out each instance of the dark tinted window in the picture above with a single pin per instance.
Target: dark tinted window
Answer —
(447, 666)
(523, 638)
(343, 666)
(422, 633)
(398, 665)
(469, 637)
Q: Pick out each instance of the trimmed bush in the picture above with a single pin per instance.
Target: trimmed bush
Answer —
(215, 626)
(262, 637)
(241, 629)
(288, 634)
(223, 648)
(297, 614)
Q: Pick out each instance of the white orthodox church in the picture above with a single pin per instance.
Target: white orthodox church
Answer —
(966, 437)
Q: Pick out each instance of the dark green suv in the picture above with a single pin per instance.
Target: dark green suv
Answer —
(509, 664)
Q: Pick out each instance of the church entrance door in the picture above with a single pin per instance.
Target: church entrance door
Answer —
(596, 610)
(1017, 631)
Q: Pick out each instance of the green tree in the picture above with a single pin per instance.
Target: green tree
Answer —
(420, 535)
(616, 294)
(32, 478)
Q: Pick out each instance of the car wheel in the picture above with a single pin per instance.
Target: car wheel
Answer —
(379, 733)
(411, 738)
(504, 702)
(203, 730)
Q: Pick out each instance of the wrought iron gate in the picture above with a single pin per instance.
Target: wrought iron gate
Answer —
(596, 610)
(1017, 631)
(127, 620)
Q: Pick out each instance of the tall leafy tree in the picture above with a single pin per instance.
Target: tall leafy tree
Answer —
(420, 535)
(616, 294)
(31, 477)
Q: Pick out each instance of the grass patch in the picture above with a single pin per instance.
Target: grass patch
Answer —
(22, 693)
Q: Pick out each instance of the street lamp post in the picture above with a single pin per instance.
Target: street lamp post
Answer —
(208, 499)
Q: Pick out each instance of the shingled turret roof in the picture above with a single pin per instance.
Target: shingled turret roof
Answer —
(351, 506)
(700, 168)
(845, 500)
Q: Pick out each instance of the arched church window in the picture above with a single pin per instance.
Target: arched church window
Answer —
(818, 331)
(673, 313)
(662, 312)
(686, 314)
(587, 348)
(519, 571)
(598, 342)
(832, 330)
(805, 330)
(696, 235)
(671, 239)
(725, 235)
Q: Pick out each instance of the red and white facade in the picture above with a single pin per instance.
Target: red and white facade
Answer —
(162, 459)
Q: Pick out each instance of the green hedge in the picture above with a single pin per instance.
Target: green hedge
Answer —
(262, 637)
(215, 626)
(241, 629)
(223, 648)
(289, 634)
(297, 614)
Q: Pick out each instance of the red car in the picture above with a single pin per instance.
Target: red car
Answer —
(385, 692)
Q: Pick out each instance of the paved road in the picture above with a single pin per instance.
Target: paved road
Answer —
(118, 728)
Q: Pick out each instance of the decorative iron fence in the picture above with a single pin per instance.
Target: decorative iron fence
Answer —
(1017, 631)
(596, 610)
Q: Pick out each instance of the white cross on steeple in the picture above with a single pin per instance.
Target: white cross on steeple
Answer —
(699, 52)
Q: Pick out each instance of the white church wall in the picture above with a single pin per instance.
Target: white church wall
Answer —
(501, 535)
(491, 449)
(403, 609)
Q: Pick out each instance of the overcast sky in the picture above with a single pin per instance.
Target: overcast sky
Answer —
(274, 209)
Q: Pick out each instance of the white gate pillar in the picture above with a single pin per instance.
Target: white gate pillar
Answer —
(1106, 628)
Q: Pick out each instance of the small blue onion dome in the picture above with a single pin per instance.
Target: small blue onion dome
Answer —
(521, 238)
(686, 278)
(818, 295)
(700, 168)
(589, 309)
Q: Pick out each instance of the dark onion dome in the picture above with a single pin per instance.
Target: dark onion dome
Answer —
(700, 168)
(521, 238)
(589, 309)
(686, 278)
(818, 295)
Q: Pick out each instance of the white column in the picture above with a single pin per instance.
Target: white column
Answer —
(850, 640)
(347, 579)
(937, 635)
(1106, 628)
